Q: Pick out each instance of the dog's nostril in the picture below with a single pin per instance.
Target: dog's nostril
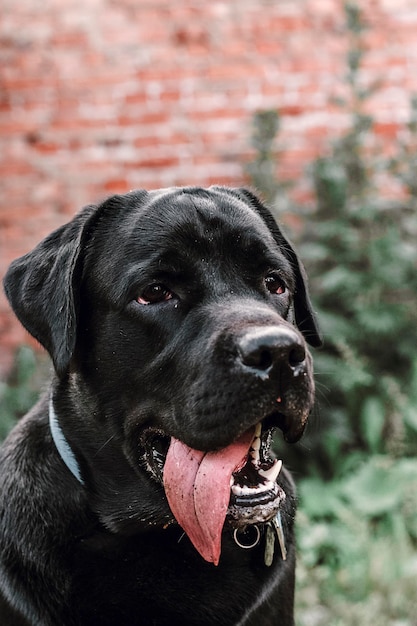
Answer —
(261, 359)
(297, 356)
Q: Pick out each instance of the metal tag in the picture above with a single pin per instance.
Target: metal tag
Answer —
(277, 522)
(269, 544)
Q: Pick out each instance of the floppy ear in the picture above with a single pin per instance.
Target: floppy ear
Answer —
(42, 287)
(304, 315)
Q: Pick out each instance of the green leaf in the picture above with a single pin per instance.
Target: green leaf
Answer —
(374, 489)
(372, 422)
(319, 499)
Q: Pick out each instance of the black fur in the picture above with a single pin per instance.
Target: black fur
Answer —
(109, 552)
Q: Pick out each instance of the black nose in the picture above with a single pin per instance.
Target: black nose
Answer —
(264, 347)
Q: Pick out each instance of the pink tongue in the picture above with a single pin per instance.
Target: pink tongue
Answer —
(197, 486)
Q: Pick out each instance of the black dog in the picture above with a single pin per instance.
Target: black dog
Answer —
(177, 323)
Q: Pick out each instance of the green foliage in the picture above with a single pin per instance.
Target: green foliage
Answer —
(357, 538)
(364, 282)
(21, 390)
(265, 127)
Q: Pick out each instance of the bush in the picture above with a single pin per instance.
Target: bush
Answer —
(21, 390)
(356, 540)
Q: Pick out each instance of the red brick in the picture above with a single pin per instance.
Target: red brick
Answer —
(116, 185)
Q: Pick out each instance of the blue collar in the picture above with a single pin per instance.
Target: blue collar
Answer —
(62, 445)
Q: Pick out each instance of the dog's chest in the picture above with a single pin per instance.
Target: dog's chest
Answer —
(158, 582)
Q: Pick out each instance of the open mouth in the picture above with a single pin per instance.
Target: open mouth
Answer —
(237, 484)
(252, 484)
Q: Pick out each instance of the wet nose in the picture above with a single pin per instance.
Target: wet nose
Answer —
(262, 348)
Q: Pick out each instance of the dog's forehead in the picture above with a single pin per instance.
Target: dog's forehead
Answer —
(192, 216)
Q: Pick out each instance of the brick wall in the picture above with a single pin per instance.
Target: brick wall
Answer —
(99, 96)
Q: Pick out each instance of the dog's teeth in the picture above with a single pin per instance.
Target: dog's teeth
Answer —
(254, 451)
(273, 472)
(256, 444)
(237, 490)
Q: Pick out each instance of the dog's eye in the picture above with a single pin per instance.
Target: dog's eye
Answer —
(154, 294)
(275, 284)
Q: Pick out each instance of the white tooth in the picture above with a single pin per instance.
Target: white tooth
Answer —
(254, 451)
(273, 472)
(256, 444)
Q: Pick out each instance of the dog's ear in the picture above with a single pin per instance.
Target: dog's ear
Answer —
(304, 315)
(42, 287)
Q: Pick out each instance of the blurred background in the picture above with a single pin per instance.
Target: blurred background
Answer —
(313, 103)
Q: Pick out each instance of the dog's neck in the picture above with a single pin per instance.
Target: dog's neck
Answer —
(64, 449)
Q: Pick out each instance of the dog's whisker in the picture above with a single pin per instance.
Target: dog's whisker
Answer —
(104, 445)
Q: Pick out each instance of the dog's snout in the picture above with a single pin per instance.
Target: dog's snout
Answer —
(261, 348)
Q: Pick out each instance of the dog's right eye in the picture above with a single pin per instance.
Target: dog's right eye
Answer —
(155, 293)
(275, 284)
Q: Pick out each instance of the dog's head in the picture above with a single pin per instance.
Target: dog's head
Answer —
(177, 321)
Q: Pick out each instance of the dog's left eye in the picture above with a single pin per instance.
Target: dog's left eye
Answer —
(153, 294)
(275, 284)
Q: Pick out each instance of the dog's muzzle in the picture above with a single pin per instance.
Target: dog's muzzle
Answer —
(238, 484)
